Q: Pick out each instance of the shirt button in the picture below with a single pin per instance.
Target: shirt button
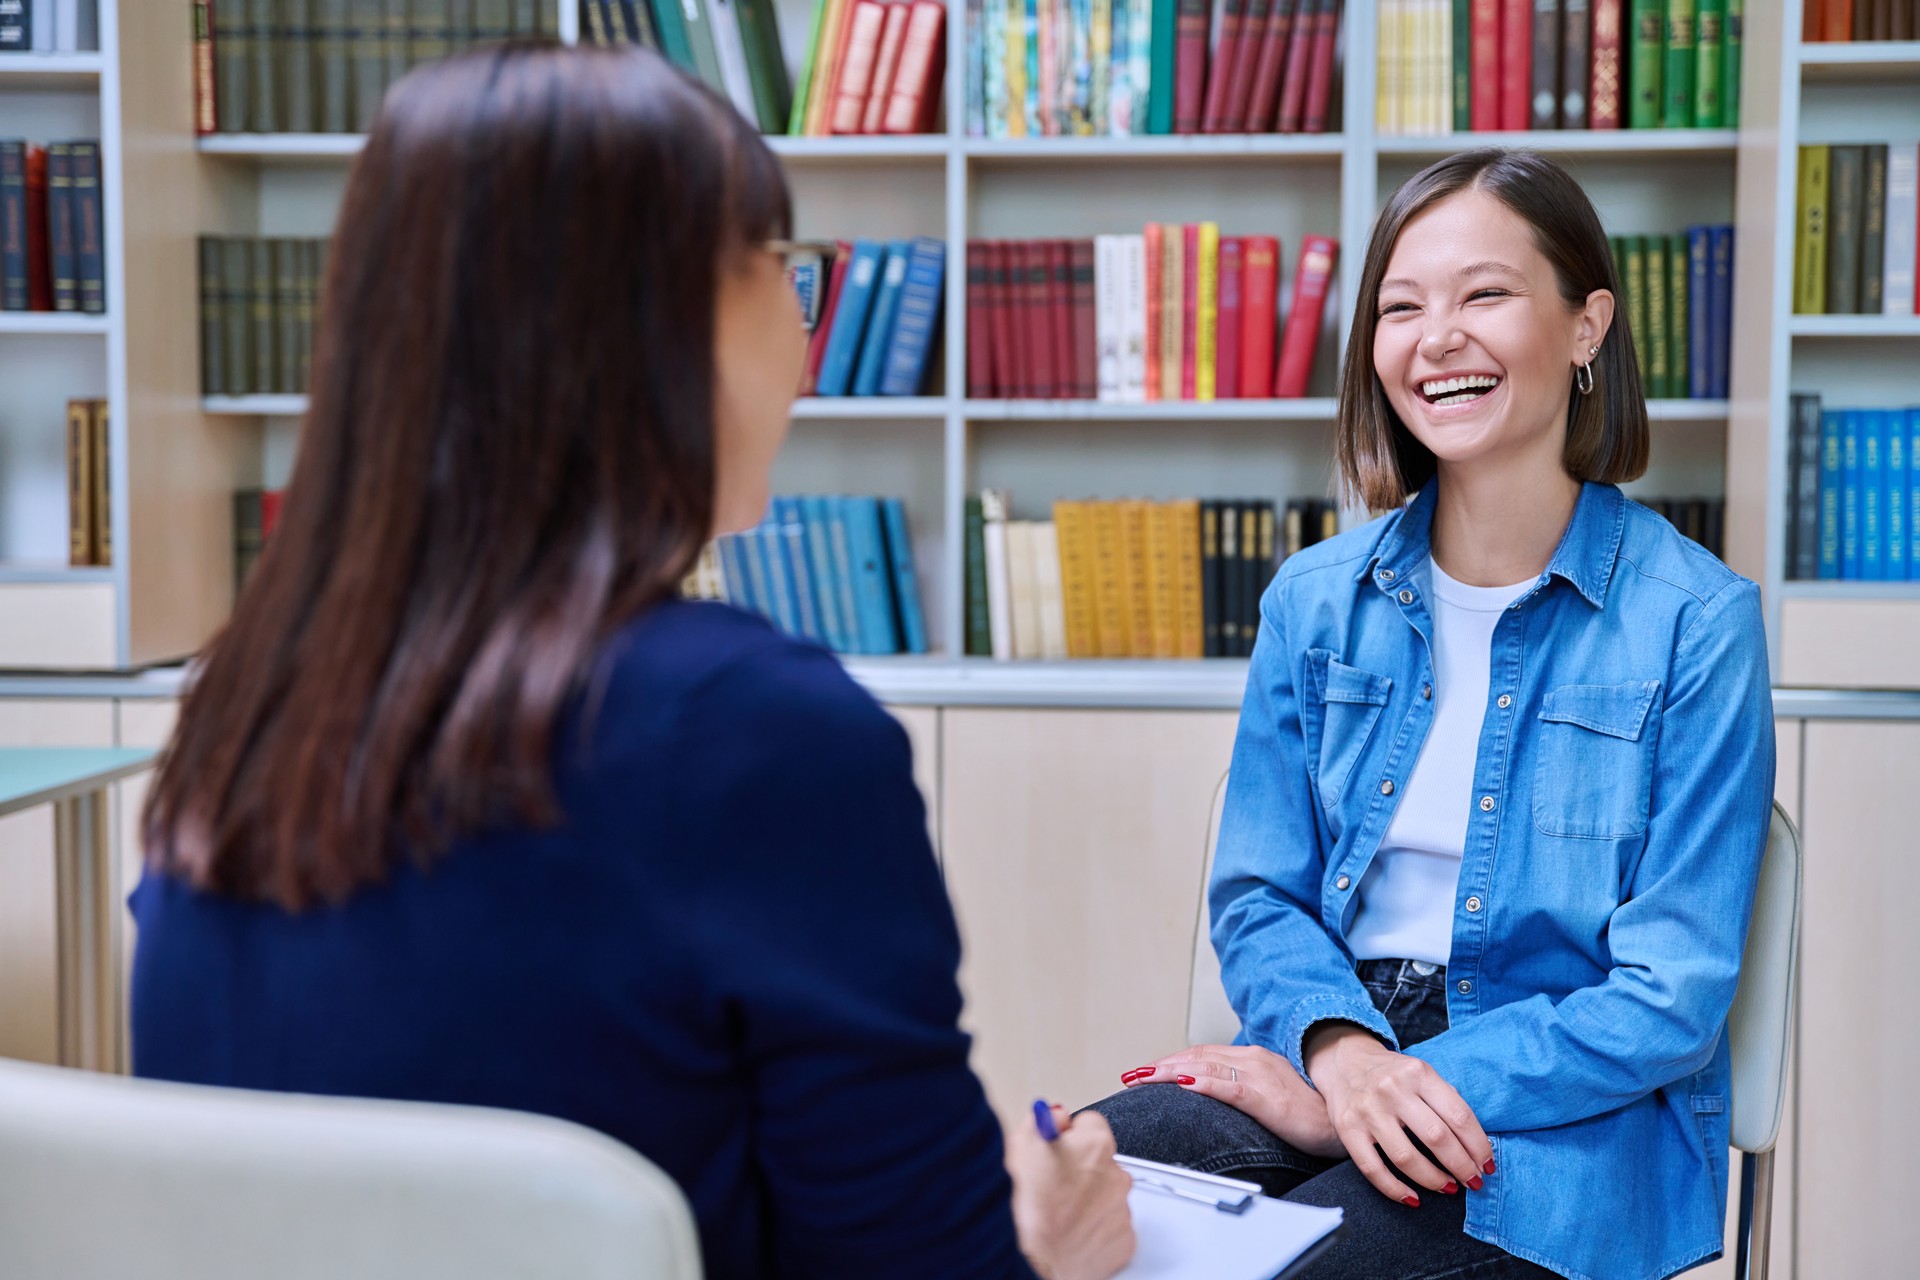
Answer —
(1342, 883)
(1486, 804)
(1505, 702)
(1406, 597)
(1386, 787)
(1465, 988)
(1426, 691)
(1473, 904)
(1386, 575)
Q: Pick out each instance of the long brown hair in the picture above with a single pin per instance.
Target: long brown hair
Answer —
(508, 452)
(1380, 461)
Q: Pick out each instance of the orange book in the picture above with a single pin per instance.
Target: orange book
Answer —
(80, 483)
(856, 66)
(1190, 624)
(1133, 524)
(1163, 595)
(1172, 296)
(1113, 595)
(1073, 524)
(826, 70)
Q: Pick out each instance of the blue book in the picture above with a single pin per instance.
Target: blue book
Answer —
(850, 319)
(843, 572)
(1699, 381)
(790, 526)
(906, 582)
(872, 575)
(886, 305)
(772, 548)
(1894, 453)
(1873, 495)
(1831, 477)
(1913, 494)
(759, 581)
(1851, 461)
(819, 539)
(918, 321)
(1719, 311)
(733, 565)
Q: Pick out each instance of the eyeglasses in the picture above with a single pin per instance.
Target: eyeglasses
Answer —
(806, 265)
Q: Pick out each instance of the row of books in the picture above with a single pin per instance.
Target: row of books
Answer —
(1853, 496)
(1471, 65)
(258, 296)
(1177, 312)
(1702, 519)
(1845, 21)
(1679, 308)
(874, 308)
(51, 255)
(733, 45)
(48, 26)
(835, 570)
(1856, 222)
(1046, 68)
(255, 512)
(872, 66)
(322, 66)
(89, 505)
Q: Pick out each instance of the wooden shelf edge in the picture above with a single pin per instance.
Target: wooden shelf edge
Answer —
(1310, 409)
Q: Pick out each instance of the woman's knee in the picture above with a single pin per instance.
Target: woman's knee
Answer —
(1172, 1125)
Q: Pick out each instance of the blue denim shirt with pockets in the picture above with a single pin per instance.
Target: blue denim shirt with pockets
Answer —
(1620, 804)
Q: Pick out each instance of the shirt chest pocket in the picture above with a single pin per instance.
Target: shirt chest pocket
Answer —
(1351, 701)
(1593, 772)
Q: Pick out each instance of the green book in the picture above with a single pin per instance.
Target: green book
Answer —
(1731, 40)
(306, 286)
(1616, 245)
(1659, 382)
(1637, 319)
(1845, 222)
(1160, 66)
(1679, 315)
(979, 625)
(429, 31)
(398, 39)
(213, 364)
(1709, 47)
(766, 63)
(1462, 66)
(232, 68)
(235, 332)
(1678, 74)
(492, 21)
(260, 335)
(796, 118)
(296, 67)
(263, 57)
(333, 66)
(526, 17)
(706, 61)
(286, 313)
(1873, 232)
(1643, 71)
(367, 54)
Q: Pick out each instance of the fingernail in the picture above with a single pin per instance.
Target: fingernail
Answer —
(1489, 1165)
(1475, 1183)
(1183, 1079)
(1144, 1071)
(1127, 1077)
(1451, 1189)
(1412, 1202)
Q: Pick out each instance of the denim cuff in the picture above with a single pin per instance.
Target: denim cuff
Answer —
(1331, 1008)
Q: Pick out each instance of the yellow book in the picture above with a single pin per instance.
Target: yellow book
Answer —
(79, 483)
(1173, 298)
(102, 504)
(1386, 67)
(826, 68)
(1074, 525)
(1162, 594)
(1810, 234)
(1190, 607)
(1133, 528)
(1267, 561)
(1113, 601)
(1206, 339)
(1017, 38)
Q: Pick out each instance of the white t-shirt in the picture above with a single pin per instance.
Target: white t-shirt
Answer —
(1405, 906)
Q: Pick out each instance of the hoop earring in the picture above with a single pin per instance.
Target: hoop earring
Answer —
(1583, 378)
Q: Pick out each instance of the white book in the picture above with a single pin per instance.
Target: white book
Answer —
(1440, 32)
(66, 27)
(1140, 59)
(1024, 588)
(1903, 183)
(1133, 319)
(731, 53)
(40, 17)
(1107, 283)
(993, 509)
(1049, 592)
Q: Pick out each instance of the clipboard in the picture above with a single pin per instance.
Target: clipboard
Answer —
(1197, 1226)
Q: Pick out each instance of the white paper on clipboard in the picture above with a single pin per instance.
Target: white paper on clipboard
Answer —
(1178, 1239)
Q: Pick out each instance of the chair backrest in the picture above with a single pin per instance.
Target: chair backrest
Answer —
(104, 1177)
(1759, 1026)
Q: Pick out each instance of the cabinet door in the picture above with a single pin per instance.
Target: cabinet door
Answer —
(923, 730)
(1074, 847)
(1859, 1115)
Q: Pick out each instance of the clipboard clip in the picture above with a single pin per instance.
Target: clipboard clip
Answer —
(1231, 1196)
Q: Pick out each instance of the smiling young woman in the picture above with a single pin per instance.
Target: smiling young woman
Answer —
(1498, 797)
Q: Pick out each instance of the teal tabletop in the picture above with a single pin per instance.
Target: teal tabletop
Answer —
(32, 776)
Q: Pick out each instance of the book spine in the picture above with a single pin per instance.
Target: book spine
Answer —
(1547, 51)
(1210, 579)
(1263, 98)
(1107, 322)
(1113, 606)
(1190, 65)
(1023, 589)
(1719, 311)
(1192, 270)
(206, 117)
(886, 66)
(1604, 96)
(873, 576)
(1133, 549)
(1387, 70)
(875, 341)
(1319, 92)
(1259, 314)
(1206, 344)
(1299, 68)
(102, 483)
(1228, 28)
(1873, 488)
(1844, 227)
(1903, 230)
(89, 233)
(1049, 591)
(1873, 232)
(1677, 74)
(1232, 581)
(1002, 325)
(766, 62)
(850, 319)
(1073, 535)
(332, 59)
(1080, 285)
(1163, 596)
(232, 59)
(62, 225)
(1516, 62)
(1154, 239)
(1895, 504)
(1810, 232)
(16, 26)
(856, 73)
(235, 303)
(213, 370)
(1709, 64)
(79, 484)
(260, 314)
(263, 70)
(1035, 297)
(917, 319)
(1060, 318)
(299, 110)
(1173, 325)
(1239, 93)
(813, 560)
(999, 581)
(1645, 100)
(979, 624)
(367, 48)
(1302, 338)
(1263, 564)
(980, 371)
(1486, 65)
(906, 579)
(1832, 480)
(1133, 317)
(1803, 546)
(1679, 315)
(285, 255)
(1227, 340)
(1160, 64)
(1913, 488)
(1659, 371)
(1575, 57)
(1699, 312)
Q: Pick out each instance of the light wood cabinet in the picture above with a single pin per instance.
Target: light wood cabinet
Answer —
(923, 731)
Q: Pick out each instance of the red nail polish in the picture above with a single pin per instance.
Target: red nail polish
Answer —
(1183, 1079)
(1489, 1164)
(1451, 1189)
(1128, 1077)
(1144, 1071)
(1475, 1183)
(1412, 1202)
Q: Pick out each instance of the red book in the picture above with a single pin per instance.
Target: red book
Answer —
(1603, 97)
(1226, 349)
(856, 69)
(1326, 27)
(1086, 357)
(1036, 322)
(1310, 280)
(893, 37)
(1156, 258)
(270, 500)
(915, 97)
(1226, 55)
(1189, 64)
(1485, 33)
(1259, 310)
(1189, 308)
(1010, 371)
(1293, 81)
(1246, 54)
(817, 344)
(980, 370)
(1516, 63)
(205, 117)
(39, 233)
(1838, 16)
(1264, 97)
(1060, 317)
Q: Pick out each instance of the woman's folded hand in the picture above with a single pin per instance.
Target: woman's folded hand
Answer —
(1254, 1080)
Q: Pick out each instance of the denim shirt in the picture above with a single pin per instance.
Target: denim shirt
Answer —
(1620, 803)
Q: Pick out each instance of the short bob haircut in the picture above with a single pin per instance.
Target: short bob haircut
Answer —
(1607, 441)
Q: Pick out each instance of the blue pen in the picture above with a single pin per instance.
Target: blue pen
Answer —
(1043, 1120)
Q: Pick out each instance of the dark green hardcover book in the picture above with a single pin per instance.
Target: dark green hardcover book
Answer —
(979, 626)
(671, 26)
(525, 17)
(1677, 75)
(232, 65)
(397, 41)
(298, 114)
(213, 364)
(460, 25)
(265, 377)
(1646, 56)
(1658, 381)
(429, 31)
(1576, 64)
(333, 66)
(63, 266)
(263, 57)
(1709, 57)
(1638, 322)
(1210, 579)
(285, 254)
(367, 52)
(1873, 232)
(1847, 189)
(641, 20)
(1543, 108)
(1230, 579)
(706, 60)
(247, 535)
(1734, 37)
(492, 21)
(1617, 247)
(1462, 66)
(1160, 66)
(766, 64)
(1679, 313)
(235, 298)
(89, 228)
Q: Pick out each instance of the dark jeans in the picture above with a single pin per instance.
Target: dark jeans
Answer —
(1384, 1240)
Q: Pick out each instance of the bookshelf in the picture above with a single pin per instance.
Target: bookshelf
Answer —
(1849, 634)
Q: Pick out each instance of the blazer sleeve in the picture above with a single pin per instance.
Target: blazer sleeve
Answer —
(1678, 936)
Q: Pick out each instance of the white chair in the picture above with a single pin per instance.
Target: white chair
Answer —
(102, 1178)
(1759, 1026)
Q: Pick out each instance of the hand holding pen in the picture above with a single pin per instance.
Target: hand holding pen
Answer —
(1069, 1197)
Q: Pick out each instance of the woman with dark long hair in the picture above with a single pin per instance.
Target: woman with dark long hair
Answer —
(465, 806)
